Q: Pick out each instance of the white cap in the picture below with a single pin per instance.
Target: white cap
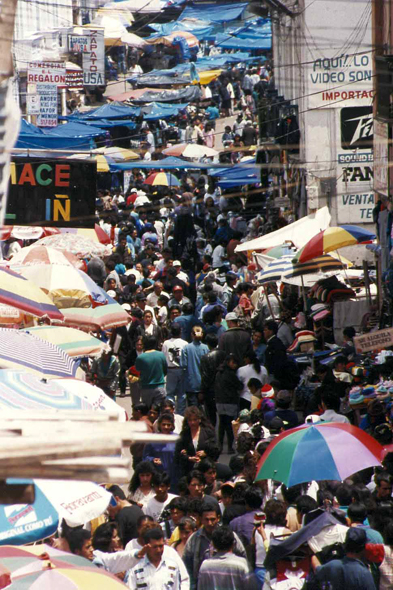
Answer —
(176, 263)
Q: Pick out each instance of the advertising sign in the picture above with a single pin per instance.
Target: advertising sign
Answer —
(47, 116)
(78, 43)
(55, 193)
(346, 79)
(374, 340)
(356, 128)
(94, 59)
(381, 157)
(46, 73)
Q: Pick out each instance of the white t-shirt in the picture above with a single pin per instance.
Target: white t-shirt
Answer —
(154, 508)
(248, 372)
(271, 530)
(172, 349)
(218, 256)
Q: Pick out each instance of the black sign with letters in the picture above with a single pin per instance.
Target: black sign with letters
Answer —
(357, 128)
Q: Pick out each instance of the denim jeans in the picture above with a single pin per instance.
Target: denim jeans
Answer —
(175, 389)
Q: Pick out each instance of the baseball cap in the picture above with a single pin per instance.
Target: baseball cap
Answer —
(284, 396)
(177, 288)
(126, 306)
(275, 425)
(111, 293)
(355, 540)
(267, 391)
(176, 263)
(244, 416)
(231, 317)
(140, 297)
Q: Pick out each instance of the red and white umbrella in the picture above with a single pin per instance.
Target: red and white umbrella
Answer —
(79, 245)
(36, 255)
(21, 232)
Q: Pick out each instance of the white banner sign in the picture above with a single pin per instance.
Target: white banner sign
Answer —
(47, 73)
(355, 196)
(94, 59)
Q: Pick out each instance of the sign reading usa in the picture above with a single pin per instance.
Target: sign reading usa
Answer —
(56, 193)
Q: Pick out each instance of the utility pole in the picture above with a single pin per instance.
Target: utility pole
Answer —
(9, 114)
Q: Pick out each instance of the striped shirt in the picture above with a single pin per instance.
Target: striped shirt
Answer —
(224, 571)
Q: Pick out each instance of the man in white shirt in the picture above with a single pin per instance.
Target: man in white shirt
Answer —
(330, 404)
(172, 348)
(180, 273)
(158, 289)
(155, 571)
(161, 483)
(219, 255)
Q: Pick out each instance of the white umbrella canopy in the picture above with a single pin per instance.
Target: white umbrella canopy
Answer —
(190, 150)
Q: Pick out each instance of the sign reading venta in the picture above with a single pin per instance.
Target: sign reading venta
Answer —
(94, 59)
(374, 340)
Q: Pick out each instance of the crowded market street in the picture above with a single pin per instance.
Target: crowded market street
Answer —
(196, 285)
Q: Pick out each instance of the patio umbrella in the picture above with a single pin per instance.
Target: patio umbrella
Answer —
(29, 556)
(334, 238)
(21, 232)
(75, 343)
(75, 501)
(33, 255)
(79, 245)
(103, 162)
(162, 179)
(329, 450)
(20, 350)
(18, 292)
(49, 577)
(284, 268)
(66, 286)
(118, 154)
(279, 251)
(27, 391)
(96, 235)
(190, 150)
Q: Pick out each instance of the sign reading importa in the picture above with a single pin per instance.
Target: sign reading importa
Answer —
(374, 340)
(53, 193)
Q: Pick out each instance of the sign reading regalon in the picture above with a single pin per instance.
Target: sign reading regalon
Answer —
(55, 193)
(44, 78)
(374, 340)
(47, 73)
(94, 59)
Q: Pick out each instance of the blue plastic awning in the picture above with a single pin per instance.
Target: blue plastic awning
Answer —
(54, 142)
(169, 163)
(200, 30)
(113, 110)
(214, 13)
(162, 110)
(75, 129)
(253, 42)
(238, 175)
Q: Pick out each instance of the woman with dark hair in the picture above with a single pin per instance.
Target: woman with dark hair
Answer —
(274, 526)
(106, 538)
(227, 391)
(252, 369)
(195, 434)
(187, 526)
(140, 487)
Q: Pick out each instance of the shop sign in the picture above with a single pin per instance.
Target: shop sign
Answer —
(52, 193)
(355, 196)
(374, 341)
(47, 73)
(94, 59)
(47, 116)
(78, 43)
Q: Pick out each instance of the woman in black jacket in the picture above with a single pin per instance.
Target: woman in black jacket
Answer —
(227, 388)
(195, 434)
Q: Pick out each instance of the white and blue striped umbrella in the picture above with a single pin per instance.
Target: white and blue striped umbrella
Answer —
(284, 269)
(21, 350)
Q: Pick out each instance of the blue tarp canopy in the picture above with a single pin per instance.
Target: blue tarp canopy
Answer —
(243, 173)
(113, 110)
(231, 42)
(76, 129)
(169, 163)
(109, 123)
(31, 137)
(162, 110)
(214, 13)
(201, 29)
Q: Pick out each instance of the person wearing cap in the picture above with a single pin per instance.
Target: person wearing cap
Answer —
(178, 297)
(350, 572)
(140, 300)
(283, 401)
(179, 272)
(235, 340)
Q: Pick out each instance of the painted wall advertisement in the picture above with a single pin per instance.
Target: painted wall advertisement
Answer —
(94, 59)
(355, 171)
(345, 80)
(381, 157)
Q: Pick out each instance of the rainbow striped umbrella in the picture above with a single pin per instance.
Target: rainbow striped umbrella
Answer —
(328, 450)
(162, 179)
(18, 292)
(333, 238)
(21, 350)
